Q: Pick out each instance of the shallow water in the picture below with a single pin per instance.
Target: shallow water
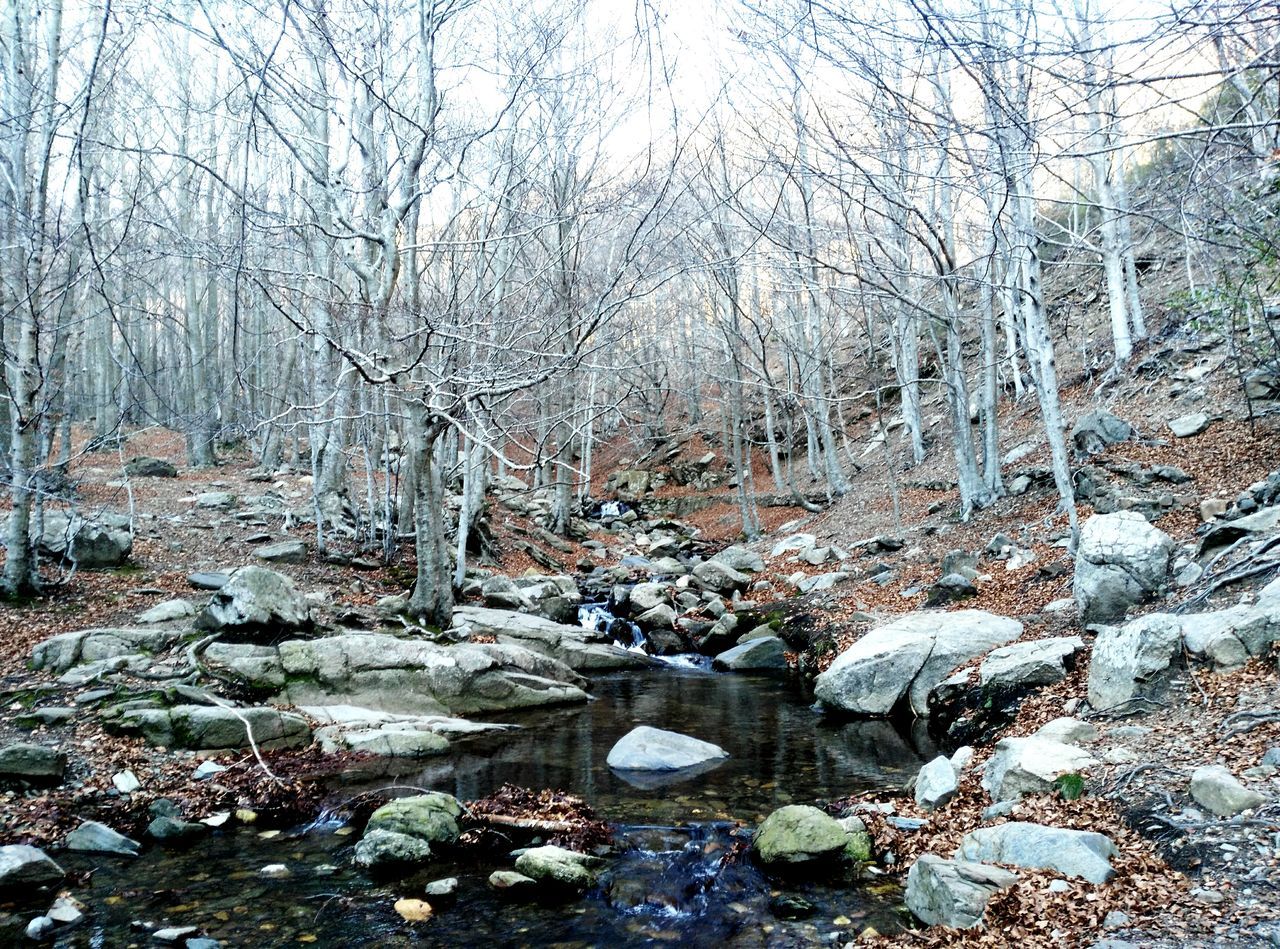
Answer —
(667, 884)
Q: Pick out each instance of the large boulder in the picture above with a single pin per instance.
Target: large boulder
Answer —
(1075, 853)
(432, 817)
(213, 727)
(256, 602)
(555, 597)
(740, 558)
(800, 835)
(1121, 561)
(1097, 430)
(59, 653)
(654, 749)
(104, 541)
(902, 661)
(1029, 664)
(719, 577)
(936, 783)
(143, 466)
(567, 644)
(763, 652)
(403, 676)
(22, 865)
(953, 892)
(1031, 765)
(1125, 658)
(1228, 638)
(26, 763)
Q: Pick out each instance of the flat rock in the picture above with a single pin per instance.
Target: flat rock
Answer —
(211, 727)
(93, 837)
(22, 865)
(953, 892)
(60, 653)
(289, 551)
(559, 867)
(906, 658)
(1074, 853)
(1185, 426)
(1021, 665)
(763, 652)
(653, 749)
(168, 611)
(208, 579)
(28, 763)
(559, 641)
(1216, 789)
(1126, 658)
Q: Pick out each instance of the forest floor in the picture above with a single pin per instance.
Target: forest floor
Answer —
(1218, 885)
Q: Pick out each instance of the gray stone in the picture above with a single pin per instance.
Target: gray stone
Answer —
(386, 849)
(719, 577)
(208, 580)
(1099, 429)
(661, 616)
(93, 837)
(1069, 731)
(793, 543)
(31, 764)
(126, 782)
(740, 559)
(1074, 853)
(953, 892)
(1125, 658)
(168, 611)
(1022, 766)
(256, 600)
(215, 500)
(511, 883)
(206, 727)
(1216, 789)
(1121, 561)
(653, 749)
(950, 589)
(559, 867)
(432, 817)
(1021, 665)
(22, 865)
(1184, 426)
(1228, 638)
(174, 933)
(763, 652)
(171, 829)
(205, 770)
(907, 658)
(441, 889)
(288, 551)
(646, 596)
(143, 466)
(40, 929)
(936, 783)
(105, 541)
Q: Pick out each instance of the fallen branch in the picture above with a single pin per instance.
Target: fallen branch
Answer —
(526, 823)
(1238, 723)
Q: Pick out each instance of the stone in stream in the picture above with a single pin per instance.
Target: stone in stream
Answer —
(172, 830)
(763, 652)
(512, 884)
(953, 893)
(93, 837)
(382, 850)
(432, 817)
(559, 867)
(558, 641)
(1075, 853)
(798, 836)
(22, 865)
(654, 749)
(26, 763)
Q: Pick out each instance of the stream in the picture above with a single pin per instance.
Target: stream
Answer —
(667, 882)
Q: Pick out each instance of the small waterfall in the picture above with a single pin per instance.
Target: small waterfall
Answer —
(599, 618)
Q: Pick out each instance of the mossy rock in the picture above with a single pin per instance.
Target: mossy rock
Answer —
(432, 817)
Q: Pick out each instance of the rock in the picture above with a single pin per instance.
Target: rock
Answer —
(256, 601)
(207, 769)
(1262, 383)
(215, 728)
(174, 933)
(170, 829)
(1116, 919)
(105, 541)
(764, 652)
(391, 740)
(653, 749)
(126, 782)
(1216, 789)
(907, 658)
(1099, 429)
(822, 581)
(559, 867)
(382, 850)
(646, 596)
(1022, 766)
(792, 544)
(936, 783)
(1272, 757)
(22, 865)
(27, 763)
(740, 559)
(1229, 637)
(60, 653)
(798, 835)
(1125, 658)
(146, 467)
(557, 641)
(501, 593)
(1184, 426)
(215, 500)
(950, 589)
(289, 551)
(719, 577)
(168, 611)
(40, 929)
(208, 580)
(953, 892)
(1069, 731)
(1074, 853)
(1121, 561)
(93, 837)
(413, 911)
(441, 889)
(432, 817)
(1021, 665)
(511, 883)
(661, 616)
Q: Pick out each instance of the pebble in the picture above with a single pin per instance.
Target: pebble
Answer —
(1207, 896)
(207, 769)
(66, 911)
(40, 928)
(1059, 886)
(274, 871)
(1116, 920)
(174, 933)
